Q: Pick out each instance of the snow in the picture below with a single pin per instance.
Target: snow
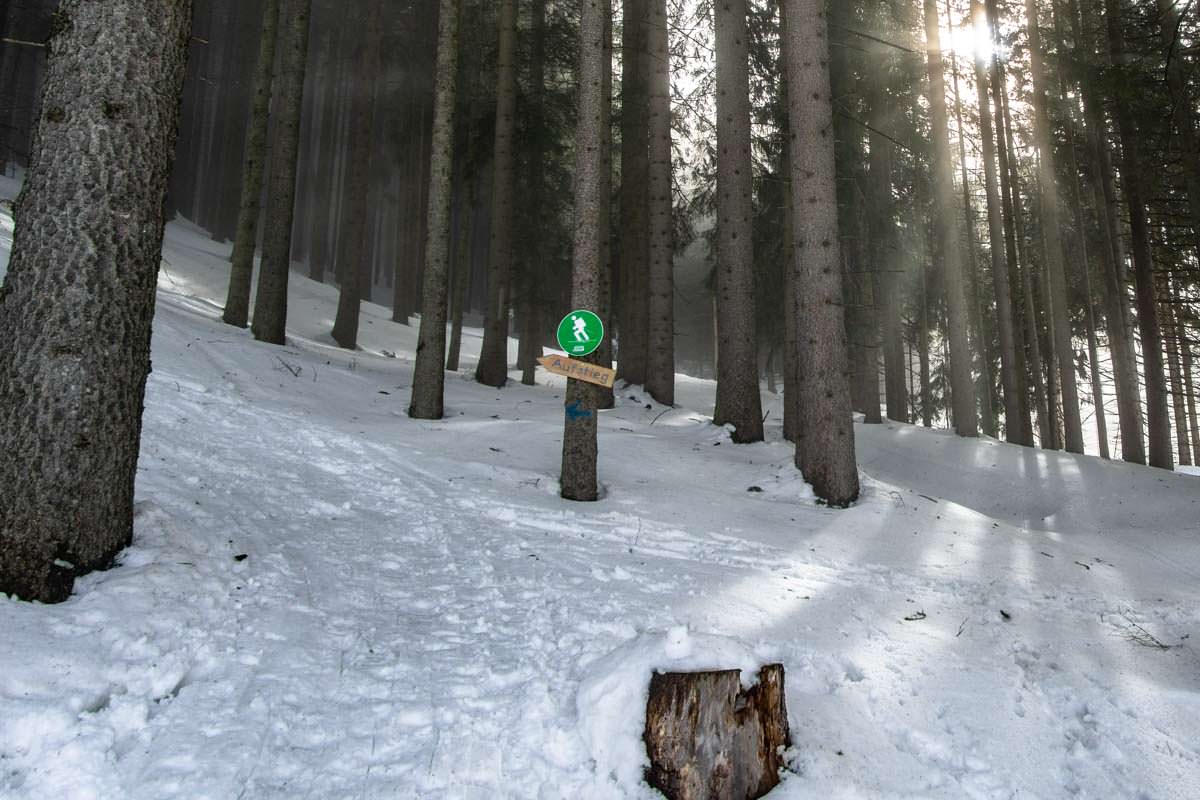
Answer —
(325, 598)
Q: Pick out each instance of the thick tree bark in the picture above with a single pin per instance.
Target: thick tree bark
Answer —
(492, 369)
(429, 375)
(76, 307)
(237, 302)
(738, 400)
(709, 739)
(1143, 259)
(1011, 361)
(825, 441)
(635, 166)
(1060, 322)
(660, 306)
(270, 302)
(948, 229)
(578, 478)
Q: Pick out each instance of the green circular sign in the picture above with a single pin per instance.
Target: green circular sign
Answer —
(580, 333)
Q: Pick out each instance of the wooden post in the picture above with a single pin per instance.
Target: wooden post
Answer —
(708, 739)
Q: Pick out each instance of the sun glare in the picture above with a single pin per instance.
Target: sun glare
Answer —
(972, 41)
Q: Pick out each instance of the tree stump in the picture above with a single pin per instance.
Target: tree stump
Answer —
(709, 740)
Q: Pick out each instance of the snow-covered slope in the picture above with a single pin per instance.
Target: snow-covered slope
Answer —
(328, 599)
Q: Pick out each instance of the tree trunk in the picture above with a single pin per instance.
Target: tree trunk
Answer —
(76, 307)
(530, 271)
(791, 364)
(1015, 427)
(825, 441)
(237, 303)
(660, 307)
(1060, 323)
(270, 303)
(492, 369)
(1010, 206)
(635, 166)
(357, 274)
(605, 397)
(1112, 252)
(709, 739)
(1085, 261)
(738, 397)
(1143, 260)
(949, 249)
(1175, 371)
(883, 255)
(578, 479)
(429, 375)
(971, 285)
(1189, 385)
(463, 251)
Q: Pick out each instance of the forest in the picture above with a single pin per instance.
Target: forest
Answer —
(279, 291)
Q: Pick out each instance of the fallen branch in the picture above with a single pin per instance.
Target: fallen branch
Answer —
(292, 369)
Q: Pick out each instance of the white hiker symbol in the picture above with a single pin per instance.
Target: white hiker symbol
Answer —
(580, 329)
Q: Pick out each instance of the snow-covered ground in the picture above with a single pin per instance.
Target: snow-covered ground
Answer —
(328, 599)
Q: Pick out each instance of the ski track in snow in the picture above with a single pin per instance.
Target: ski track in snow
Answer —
(327, 599)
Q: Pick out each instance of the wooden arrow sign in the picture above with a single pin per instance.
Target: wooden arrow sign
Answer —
(579, 370)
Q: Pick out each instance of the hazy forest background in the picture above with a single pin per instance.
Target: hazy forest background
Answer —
(1118, 88)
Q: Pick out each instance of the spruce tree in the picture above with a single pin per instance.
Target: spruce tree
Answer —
(76, 306)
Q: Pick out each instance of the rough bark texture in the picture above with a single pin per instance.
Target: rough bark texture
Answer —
(270, 302)
(237, 302)
(578, 479)
(635, 165)
(355, 271)
(1060, 322)
(1157, 418)
(492, 369)
(825, 440)
(429, 375)
(708, 739)
(948, 230)
(77, 303)
(738, 400)
(1013, 428)
(660, 306)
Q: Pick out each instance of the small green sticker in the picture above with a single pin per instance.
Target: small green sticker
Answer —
(580, 333)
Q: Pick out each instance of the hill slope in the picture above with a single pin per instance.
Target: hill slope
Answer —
(328, 599)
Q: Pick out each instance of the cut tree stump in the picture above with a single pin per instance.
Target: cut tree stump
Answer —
(709, 740)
